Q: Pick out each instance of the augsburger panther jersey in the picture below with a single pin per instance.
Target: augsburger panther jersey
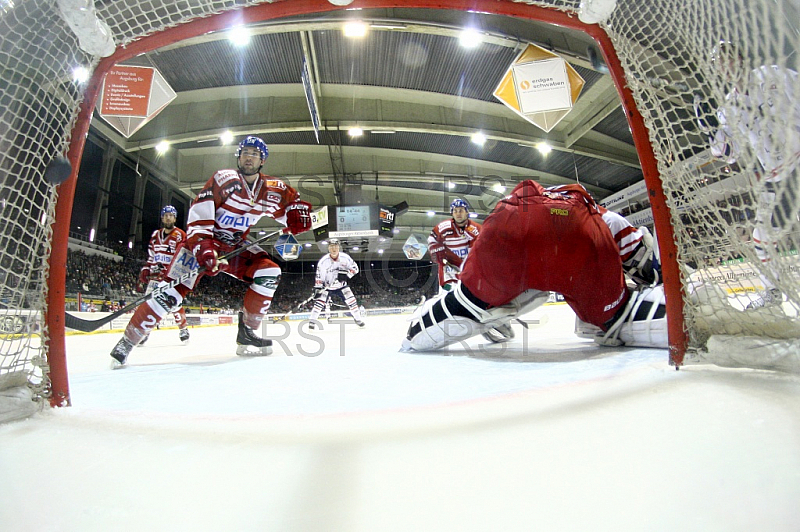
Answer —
(162, 247)
(328, 269)
(228, 207)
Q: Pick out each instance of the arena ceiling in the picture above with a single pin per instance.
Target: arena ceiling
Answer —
(416, 92)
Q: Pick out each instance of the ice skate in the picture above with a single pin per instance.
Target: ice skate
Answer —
(768, 298)
(250, 345)
(144, 340)
(183, 334)
(120, 353)
(360, 324)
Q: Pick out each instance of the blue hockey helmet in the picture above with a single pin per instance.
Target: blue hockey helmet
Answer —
(458, 202)
(169, 209)
(255, 142)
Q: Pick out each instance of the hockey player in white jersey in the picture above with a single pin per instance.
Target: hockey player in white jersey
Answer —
(760, 117)
(333, 272)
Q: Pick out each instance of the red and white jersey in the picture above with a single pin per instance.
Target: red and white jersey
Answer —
(457, 242)
(162, 248)
(456, 239)
(228, 207)
(328, 269)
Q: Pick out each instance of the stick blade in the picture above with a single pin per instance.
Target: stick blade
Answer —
(79, 324)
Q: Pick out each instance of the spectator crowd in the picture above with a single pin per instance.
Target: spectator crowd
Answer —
(380, 284)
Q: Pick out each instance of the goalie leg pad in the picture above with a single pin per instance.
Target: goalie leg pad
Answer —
(642, 323)
(458, 315)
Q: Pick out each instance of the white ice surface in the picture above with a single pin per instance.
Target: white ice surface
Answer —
(548, 433)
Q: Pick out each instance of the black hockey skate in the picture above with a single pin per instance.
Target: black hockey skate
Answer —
(144, 341)
(361, 324)
(120, 353)
(183, 334)
(248, 344)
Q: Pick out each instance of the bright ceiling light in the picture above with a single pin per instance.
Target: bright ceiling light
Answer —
(470, 38)
(239, 36)
(478, 138)
(499, 188)
(355, 131)
(162, 147)
(80, 74)
(226, 137)
(380, 252)
(473, 215)
(544, 148)
(431, 214)
(355, 29)
(451, 185)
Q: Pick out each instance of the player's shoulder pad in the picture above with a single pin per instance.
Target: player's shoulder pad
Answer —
(272, 182)
(223, 176)
(444, 225)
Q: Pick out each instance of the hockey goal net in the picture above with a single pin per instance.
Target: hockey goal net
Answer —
(730, 267)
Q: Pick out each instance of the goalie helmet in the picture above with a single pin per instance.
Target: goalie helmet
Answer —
(169, 209)
(458, 202)
(255, 142)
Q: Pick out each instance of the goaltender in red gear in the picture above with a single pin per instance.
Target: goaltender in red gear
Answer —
(220, 218)
(556, 239)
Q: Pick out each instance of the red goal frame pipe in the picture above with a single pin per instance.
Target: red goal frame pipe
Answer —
(288, 8)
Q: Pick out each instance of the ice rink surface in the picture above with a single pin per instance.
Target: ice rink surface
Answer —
(339, 431)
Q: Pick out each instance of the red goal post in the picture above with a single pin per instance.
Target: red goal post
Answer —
(657, 76)
(285, 8)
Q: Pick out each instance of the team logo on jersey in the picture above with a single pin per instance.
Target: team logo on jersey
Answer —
(276, 183)
(559, 212)
(269, 282)
(165, 300)
(273, 197)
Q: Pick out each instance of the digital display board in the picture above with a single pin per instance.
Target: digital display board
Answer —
(353, 221)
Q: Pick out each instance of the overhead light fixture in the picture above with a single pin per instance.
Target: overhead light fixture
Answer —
(544, 148)
(470, 38)
(239, 36)
(473, 215)
(431, 214)
(478, 138)
(395, 230)
(162, 147)
(499, 188)
(226, 137)
(355, 29)
(380, 252)
(451, 185)
(355, 131)
(80, 74)
(356, 248)
(308, 244)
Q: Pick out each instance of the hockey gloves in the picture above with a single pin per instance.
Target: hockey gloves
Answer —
(144, 275)
(437, 252)
(298, 217)
(207, 255)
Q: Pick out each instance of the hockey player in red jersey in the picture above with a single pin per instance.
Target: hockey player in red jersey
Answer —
(163, 245)
(450, 242)
(220, 218)
(557, 239)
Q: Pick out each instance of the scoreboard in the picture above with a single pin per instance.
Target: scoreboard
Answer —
(354, 221)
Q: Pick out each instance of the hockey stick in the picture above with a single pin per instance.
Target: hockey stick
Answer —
(79, 324)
